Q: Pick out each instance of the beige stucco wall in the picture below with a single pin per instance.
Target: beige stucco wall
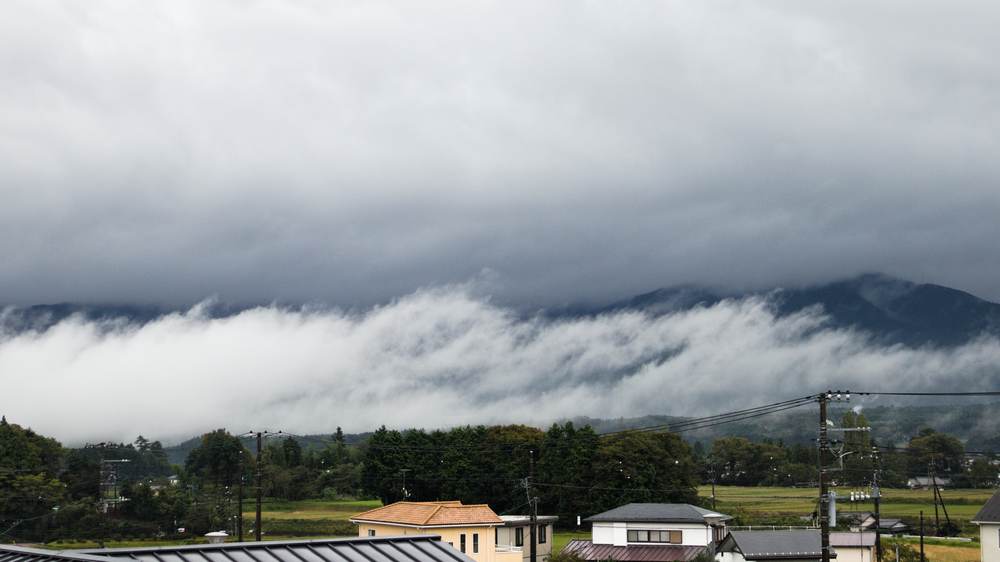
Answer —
(989, 542)
(505, 537)
(487, 547)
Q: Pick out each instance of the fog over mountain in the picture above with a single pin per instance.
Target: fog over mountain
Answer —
(447, 355)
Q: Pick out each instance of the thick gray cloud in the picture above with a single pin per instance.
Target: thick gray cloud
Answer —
(350, 152)
(443, 357)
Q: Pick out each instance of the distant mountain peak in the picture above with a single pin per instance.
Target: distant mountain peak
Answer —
(892, 310)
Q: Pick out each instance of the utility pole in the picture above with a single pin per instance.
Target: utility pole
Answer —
(934, 489)
(239, 506)
(877, 497)
(533, 504)
(260, 486)
(922, 559)
(824, 498)
(532, 508)
(713, 487)
(406, 493)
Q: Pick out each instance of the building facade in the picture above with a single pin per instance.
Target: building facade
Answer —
(988, 520)
(470, 529)
(653, 532)
(854, 547)
(515, 536)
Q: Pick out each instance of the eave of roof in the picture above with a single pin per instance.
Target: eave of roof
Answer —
(658, 513)
(410, 548)
(587, 550)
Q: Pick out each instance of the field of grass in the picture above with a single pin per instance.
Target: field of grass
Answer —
(560, 538)
(961, 504)
(326, 518)
(332, 510)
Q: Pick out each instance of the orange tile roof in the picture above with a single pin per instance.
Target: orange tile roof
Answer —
(429, 514)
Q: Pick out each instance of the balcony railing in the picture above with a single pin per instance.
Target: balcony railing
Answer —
(508, 548)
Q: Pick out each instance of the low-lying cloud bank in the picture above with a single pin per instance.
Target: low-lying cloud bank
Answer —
(440, 357)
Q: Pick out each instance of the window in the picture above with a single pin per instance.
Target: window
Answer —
(371, 532)
(496, 535)
(519, 536)
(461, 542)
(541, 534)
(475, 543)
(671, 537)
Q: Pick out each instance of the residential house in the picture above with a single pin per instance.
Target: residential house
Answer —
(413, 548)
(853, 547)
(515, 536)
(887, 525)
(988, 520)
(469, 528)
(651, 532)
(787, 546)
(926, 482)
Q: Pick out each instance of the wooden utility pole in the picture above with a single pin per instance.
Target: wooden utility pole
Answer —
(260, 485)
(922, 558)
(239, 506)
(824, 497)
(877, 497)
(533, 505)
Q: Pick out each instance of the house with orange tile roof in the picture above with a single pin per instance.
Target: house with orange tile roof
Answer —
(469, 528)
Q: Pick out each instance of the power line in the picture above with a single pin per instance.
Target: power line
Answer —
(975, 393)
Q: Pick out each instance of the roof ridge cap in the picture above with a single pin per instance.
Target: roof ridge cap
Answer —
(437, 508)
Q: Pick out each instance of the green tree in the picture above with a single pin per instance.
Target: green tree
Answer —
(219, 460)
(293, 451)
(939, 452)
(643, 467)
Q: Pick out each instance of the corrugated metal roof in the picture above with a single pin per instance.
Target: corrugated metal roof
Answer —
(587, 550)
(775, 545)
(990, 513)
(665, 512)
(11, 553)
(411, 548)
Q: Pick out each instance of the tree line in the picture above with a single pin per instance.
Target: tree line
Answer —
(48, 491)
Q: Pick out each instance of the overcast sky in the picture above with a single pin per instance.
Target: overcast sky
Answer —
(351, 152)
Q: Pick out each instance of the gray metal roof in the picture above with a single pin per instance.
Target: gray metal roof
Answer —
(409, 548)
(775, 545)
(11, 553)
(665, 512)
(990, 513)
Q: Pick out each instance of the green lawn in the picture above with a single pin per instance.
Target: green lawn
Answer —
(560, 538)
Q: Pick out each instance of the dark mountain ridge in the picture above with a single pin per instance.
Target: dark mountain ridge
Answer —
(891, 310)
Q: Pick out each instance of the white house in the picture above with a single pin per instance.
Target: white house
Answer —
(854, 547)
(926, 482)
(652, 532)
(988, 520)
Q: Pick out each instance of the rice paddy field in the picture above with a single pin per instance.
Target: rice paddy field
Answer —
(961, 504)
